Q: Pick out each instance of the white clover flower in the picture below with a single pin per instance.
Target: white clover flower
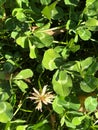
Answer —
(42, 97)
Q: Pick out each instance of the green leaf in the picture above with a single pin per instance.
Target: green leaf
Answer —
(22, 85)
(84, 34)
(22, 41)
(9, 66)
(62, 121)
(8, 55)
(44, 127)
(91, 11)
(2, 75)
(65, 53)
(59, 49)
(77, 120)
(19, 14)
(76, 38)
(93, 68)
(43, 28)
(72, 102)
(14, 34)
(96, 114)
(91, 104)
(92, 22)
(10, 24)
(2, 12)
(84, 64)
(72, 46)
(20, 2)
(70, 125)
(49, 59)
(2, 2)
(45, 2)
(74, 112)
(45, 38)
(6, 113)
(21, 127)
(36, 41)
(58, 104)
(71, 2)
(47, 11)
(89, 2)
(89, 84)
(38, 125)
(24, 74)
(4, 90)
(62, 83)
(3, 96)
(57, 13)
(33, 51)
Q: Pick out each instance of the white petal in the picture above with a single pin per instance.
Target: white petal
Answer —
(37, 101)
(44, 90)
(36, 91)
(35, 94)
(33, 98)
(48, 100)
(39, 106)
(45, 102)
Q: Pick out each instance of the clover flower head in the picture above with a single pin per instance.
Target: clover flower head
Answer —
(42, 97)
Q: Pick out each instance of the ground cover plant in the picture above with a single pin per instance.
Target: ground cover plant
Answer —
(48, 65)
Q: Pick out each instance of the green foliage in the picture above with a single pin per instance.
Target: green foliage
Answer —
(89, 84)
(84, 33)
(92, 22)
(2, 2)
(18, 79)
(21, 127)
(21, 2)
(6, 109)
(49, 43)
(91, 104)
(62, 83)
(19, 14)
(77, 120)
(33, 51)
(71, 2)
(58, 105)
(24, 74)
(5, 112)
(45, 2)
(49, 59)
(44, 38)
(48, 10)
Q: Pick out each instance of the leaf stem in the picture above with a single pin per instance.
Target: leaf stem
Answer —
(7, 127)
